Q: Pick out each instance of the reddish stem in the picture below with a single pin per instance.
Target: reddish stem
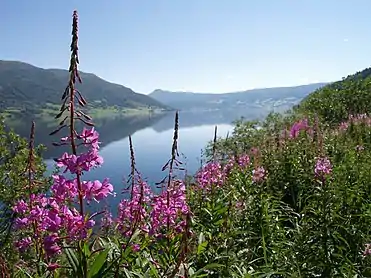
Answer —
(72, 135)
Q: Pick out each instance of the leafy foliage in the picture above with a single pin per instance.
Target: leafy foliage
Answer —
(14, 158)
(336, 101)
(14, 152)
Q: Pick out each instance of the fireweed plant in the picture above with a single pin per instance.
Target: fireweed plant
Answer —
(285, 197)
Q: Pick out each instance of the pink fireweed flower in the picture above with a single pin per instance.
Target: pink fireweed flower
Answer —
(169, 209)
(323, 167)
(258, 174)
(66, 160)
(53, 218)
(343, 126)
(90, 137)
(93, 158)
(211, 175)
(297, 127)
(76, 225)
(23, 244)
(136, 247)
(355, 120)
(21, 223)
(51, 246)
(64, 189)
(76, 164)
(36, 203)
(244, 161)
(367, 251)
(134, 211)
(85, 161)
(229, 165)
(95, 190)
(20, 207)
(53, 266)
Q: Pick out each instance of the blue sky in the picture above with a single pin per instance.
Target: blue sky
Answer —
(194, 45)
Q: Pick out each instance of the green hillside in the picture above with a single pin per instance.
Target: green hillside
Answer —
(30, 89)
(336, 101)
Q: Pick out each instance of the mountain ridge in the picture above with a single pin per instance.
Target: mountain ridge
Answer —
(260, 97)
(30, 88)
(240, 91)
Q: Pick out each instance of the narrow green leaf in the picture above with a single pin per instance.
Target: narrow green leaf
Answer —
(86, 250)
(127, 273)
(201, 247)
(98, 263)
(211, 266)
(72, 259)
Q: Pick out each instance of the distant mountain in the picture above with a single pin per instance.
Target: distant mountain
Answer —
(30, 89)
(267, 98)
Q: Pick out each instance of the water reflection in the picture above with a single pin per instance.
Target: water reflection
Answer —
(110, 130)
(152, 138)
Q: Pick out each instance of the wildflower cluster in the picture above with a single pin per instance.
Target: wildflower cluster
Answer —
(133, 213)
(211, 175)
(169, 209)
(299, 126)
(355, 120)
(323, 167)
(215, 175)
(52, 216)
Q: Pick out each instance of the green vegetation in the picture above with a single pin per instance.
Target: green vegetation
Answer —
(14, 152)
(14, 158)
(289, 196)
(335, 102)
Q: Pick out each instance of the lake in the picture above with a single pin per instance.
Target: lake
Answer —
(152, 137)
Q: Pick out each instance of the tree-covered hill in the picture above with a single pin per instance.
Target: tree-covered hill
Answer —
(336, 101)
(29, 88)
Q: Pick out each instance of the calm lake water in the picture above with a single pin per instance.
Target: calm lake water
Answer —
(152, 139)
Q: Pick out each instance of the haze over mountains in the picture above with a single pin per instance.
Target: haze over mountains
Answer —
(266, 98)
(30, 89)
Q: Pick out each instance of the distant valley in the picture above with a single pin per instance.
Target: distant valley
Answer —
(265, 99)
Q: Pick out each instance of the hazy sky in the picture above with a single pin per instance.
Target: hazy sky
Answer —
(194, 45)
